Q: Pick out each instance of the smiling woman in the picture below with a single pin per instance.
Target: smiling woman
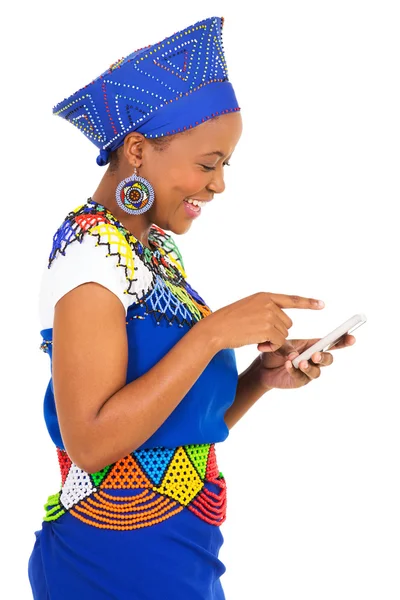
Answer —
(139, 382)
(144, 381)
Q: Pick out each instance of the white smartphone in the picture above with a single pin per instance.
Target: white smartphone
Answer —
(331, 339)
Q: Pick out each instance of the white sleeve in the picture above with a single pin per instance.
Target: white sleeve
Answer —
(83, 262)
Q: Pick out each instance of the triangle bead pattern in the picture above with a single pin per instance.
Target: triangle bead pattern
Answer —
(155, 462)
(77, 486)
(159, 483)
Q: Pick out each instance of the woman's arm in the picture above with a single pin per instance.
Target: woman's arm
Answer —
(102, 419)
(249, 390)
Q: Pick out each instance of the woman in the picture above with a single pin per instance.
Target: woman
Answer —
(144, 380)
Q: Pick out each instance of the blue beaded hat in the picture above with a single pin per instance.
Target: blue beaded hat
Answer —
(159, 90)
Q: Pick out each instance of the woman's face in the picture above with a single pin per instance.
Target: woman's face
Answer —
(192, 166)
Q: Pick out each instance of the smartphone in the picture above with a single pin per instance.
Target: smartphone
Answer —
(331, 339)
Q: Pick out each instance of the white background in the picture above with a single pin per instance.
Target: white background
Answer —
(310, 208)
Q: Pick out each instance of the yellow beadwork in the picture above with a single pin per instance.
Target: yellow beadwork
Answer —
(109, 234)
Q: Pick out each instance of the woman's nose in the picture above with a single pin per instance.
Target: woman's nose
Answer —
(217, 184)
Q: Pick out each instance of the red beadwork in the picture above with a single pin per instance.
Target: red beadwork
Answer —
(65, 463)
(212, 471)
(115, 130)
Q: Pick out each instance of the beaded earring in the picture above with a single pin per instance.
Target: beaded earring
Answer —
(135, 194)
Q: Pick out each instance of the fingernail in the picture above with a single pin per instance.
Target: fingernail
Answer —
(321, 304)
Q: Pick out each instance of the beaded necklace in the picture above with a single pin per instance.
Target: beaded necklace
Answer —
(155, 278)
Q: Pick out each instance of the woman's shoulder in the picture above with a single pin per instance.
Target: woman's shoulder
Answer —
(92, 243)
(92, 221)
(91, 246)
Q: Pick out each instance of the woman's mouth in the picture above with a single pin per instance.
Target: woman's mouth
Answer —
(193, 207)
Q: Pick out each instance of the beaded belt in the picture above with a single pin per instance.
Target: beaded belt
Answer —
(171, 479)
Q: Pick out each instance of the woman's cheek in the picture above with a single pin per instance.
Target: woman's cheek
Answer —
(198, 181)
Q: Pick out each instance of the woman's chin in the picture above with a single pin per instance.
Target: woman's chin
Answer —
(176, 225)
(179, 228)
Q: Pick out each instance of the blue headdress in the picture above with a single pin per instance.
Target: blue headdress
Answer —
(159, 90)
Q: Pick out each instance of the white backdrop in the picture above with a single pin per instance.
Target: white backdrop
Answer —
(309, 209)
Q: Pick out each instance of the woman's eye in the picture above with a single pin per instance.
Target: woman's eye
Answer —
(213, 168)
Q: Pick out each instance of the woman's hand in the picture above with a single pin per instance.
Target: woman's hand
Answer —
(277, 371)
(256, 319)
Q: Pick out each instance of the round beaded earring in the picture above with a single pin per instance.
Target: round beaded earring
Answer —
(135, 194)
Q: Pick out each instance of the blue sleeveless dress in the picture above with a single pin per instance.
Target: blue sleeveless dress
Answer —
(148, 526)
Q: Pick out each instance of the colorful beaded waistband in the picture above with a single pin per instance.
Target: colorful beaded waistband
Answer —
(171, 478)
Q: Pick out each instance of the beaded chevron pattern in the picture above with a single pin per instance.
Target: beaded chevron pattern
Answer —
(170, 480)
(155, 278)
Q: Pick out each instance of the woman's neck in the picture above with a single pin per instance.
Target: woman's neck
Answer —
(138, 225)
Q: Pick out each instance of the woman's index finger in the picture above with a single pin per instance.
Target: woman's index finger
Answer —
(293, 301)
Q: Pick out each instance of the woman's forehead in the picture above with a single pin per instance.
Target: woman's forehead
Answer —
(215, 139)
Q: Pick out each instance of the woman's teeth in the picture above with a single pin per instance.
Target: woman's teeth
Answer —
(196, 202)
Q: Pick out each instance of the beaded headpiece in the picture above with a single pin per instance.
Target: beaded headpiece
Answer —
(159, 90)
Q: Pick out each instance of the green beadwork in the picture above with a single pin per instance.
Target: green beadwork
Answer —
(198, 454)
(170, 246)
(56, 511)
(100, 475)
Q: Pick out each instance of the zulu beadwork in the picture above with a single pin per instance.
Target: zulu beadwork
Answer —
(172, 479)
(155, 278)
(159, 90)
(135, 195)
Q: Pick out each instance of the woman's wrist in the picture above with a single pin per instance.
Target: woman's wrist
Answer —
(254, 376)
(206, 328)
(257, 374)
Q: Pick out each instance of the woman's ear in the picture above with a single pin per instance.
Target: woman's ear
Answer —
(133, 148)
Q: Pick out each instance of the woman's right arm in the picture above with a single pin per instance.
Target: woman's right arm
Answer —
(101, 419)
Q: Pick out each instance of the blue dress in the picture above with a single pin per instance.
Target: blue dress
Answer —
(148, 526)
